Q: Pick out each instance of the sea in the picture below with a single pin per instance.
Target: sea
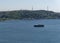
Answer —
(23, 31)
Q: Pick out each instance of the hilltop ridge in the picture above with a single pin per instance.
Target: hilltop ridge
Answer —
(29, 14)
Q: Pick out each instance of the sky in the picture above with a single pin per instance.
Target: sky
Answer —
(7, 5)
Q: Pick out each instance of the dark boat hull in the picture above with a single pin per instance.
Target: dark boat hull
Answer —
(38, 25)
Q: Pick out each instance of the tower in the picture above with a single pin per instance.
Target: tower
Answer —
(32, 8)
(47, 11)
(47, 8)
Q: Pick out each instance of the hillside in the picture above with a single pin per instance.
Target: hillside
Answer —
(29, 14)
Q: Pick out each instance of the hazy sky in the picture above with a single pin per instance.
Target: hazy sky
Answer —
(53, 5)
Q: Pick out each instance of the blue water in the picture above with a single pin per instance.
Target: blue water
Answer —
(22, 31)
